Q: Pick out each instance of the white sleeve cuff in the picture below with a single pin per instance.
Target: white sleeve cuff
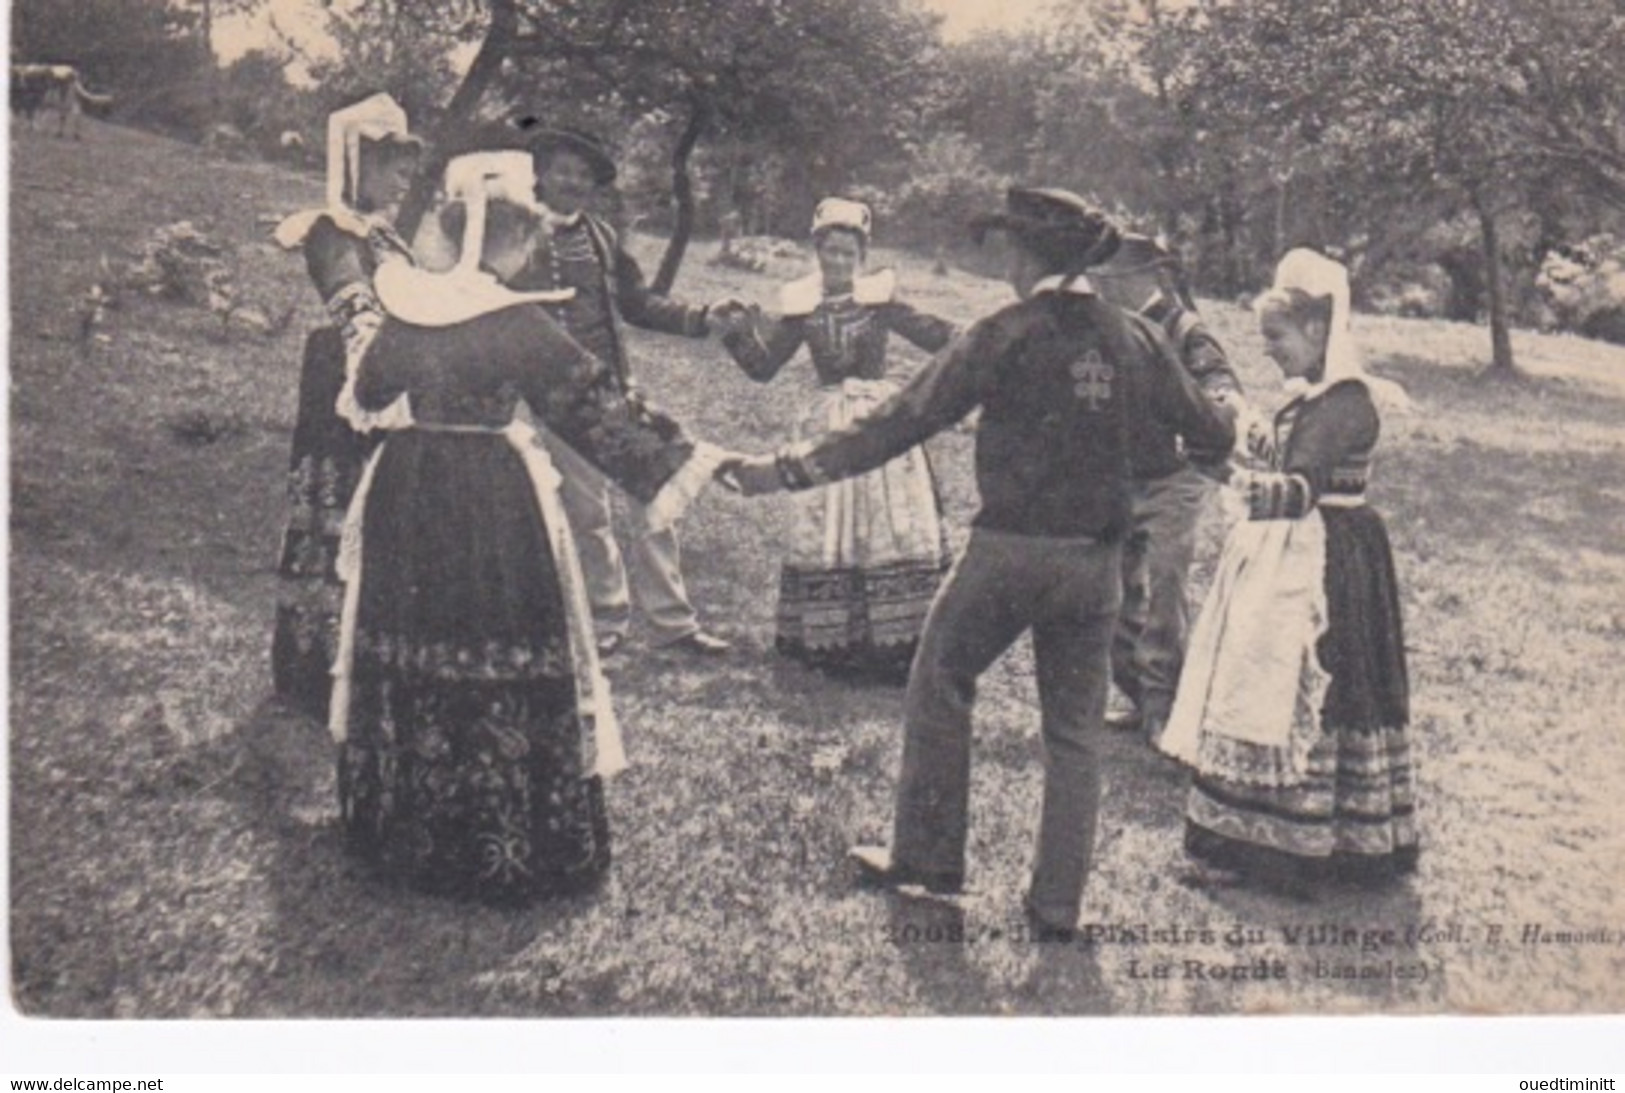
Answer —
(683, 487)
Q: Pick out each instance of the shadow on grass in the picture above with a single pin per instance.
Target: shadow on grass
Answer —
(350, 944)
(1544, 506)
(935, 945)
(1435, 388)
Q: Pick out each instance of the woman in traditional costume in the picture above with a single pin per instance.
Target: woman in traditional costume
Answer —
(1293, 707)
(370, 161)
(866, 555)
(473, 721)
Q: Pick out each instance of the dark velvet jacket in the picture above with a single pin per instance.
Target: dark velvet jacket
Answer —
(1064, 382)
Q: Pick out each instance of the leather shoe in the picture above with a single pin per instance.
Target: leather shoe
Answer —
(1045, 932)
(1154, 728)
(877, 870)
(1125, 721)
(701, 643)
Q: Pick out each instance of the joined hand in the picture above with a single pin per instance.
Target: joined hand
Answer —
(751, 476)
(730, 315)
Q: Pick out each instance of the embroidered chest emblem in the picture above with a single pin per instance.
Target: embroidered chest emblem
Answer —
(843, 330)
(1092, 379)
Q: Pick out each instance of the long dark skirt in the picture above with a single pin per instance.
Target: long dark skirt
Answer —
(1354, 816)
(462, 769)
(323, 469)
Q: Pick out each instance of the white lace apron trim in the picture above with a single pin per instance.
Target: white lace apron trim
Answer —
(1252, 674)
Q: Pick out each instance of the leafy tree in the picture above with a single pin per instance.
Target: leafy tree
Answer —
(949, 182)
(993, 89)
(829, 85)
(404, 47)
(253, 94)
(1396, 104)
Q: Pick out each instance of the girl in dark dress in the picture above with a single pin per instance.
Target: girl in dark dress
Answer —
(371, 158)
(473, 722)
(1294, 705)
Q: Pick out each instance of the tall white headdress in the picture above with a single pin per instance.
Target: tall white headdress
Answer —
(464, 292)
(1316, 275)
(374, 118)
(377, 117)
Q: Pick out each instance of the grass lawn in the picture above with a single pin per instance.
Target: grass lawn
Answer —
(174, 848)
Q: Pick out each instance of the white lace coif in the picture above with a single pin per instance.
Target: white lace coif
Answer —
(1316, 275)
(421, 298)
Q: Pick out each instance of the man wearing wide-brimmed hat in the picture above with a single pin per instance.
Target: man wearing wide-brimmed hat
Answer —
(579, 251)
(1148, 653)
(1063, 380)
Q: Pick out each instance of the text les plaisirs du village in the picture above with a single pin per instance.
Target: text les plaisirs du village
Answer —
(1326, 950)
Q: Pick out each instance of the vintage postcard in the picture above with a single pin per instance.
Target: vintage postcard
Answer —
(538, 511)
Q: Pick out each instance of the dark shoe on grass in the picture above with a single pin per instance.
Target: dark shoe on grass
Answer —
(1045, 932)
(877, 870)
(700, 643)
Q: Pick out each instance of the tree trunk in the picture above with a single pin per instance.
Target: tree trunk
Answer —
(1467, 289)
(1501, 362)
(1282, 184)
(682, 192)
(459, 113)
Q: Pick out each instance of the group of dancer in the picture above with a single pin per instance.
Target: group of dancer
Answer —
(452, 585)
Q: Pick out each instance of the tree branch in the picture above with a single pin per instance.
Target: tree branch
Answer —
(459, 113)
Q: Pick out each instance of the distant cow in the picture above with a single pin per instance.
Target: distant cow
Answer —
(37, 89)
(291, 148)
(225, 139)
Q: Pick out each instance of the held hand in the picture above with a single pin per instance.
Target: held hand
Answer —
(729, 315)
(756, 476)
(1254, 436)
(1218, 470)
(724, 473)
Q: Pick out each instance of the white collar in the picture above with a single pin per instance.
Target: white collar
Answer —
(557, 220)
(801, 297)
(1078, 285)
(291, 232)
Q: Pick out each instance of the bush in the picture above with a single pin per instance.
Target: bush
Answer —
(948, 184)
(1584, 285)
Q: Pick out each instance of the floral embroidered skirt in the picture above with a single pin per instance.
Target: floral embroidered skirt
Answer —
(1350, 813)
(323, 469)
(463, 765)
(866, 555)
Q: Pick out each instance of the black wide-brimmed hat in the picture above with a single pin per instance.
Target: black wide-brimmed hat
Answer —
(1137, 253)
(544, 142)
(1057, 222)
(1140, 260)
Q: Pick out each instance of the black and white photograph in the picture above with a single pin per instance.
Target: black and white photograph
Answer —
(816, 509)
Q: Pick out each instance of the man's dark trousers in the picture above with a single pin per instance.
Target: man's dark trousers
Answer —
(1067, 591)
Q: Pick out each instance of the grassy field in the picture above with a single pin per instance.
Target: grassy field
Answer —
(173, 839)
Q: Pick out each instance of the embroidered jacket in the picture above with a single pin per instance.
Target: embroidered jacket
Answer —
(845, 334)
(474, 374)
(1063, 380)
(1320, 453)
(341, 259)
(586, 255)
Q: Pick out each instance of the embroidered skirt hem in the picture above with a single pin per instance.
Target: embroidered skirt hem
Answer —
(324, 466)
(464, 767)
